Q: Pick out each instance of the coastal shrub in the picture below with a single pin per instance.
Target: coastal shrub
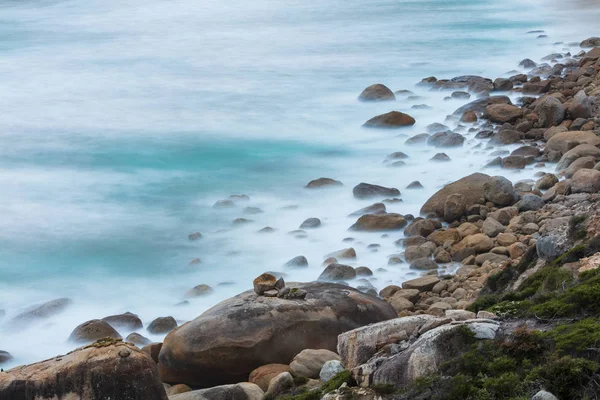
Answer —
(334, 383)
(484, 302)
(568, 377)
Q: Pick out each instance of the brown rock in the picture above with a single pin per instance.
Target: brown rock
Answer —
(264, 282)
(471, 188)
(502, 113)
(377, 92)
(565, 141)
(262, 375)
(586, 181)
(422, 284)
(392, 119)
(93, 330)
(379, 222)
(323, 182)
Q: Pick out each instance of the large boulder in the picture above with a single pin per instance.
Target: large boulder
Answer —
(582, 150)
(106, 369)
(424, 356)
(580, 106)
(239, 391)
(379, 222)
(586, 181)
(550, 111)
(590, 42)
(499, 191)
(365, 190)
(564, 141)
(470, 187)
(503, 113)
(479, 105)
(337, 272)
(127, 321)
(377, 92)
(227, 342)
(392, 119)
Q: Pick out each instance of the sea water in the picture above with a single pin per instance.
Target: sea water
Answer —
(123, 122)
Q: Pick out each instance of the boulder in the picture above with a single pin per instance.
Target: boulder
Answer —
(506, 136)
(423, 264)
(550, 111)
(322, 183)
(280, 384)
(162, 325)
(262, 375)
(346, 254)
(586, 181)
(39, 313)
(198, 291)
(546, 182)
(138, 339)
(491, 227)
(581, 163)
(502, 85)
(310, 223)
(479, 105)
(514, 162)
(580, 106)
(239, 391)
(530, 202)
(337, 272)
(499, 191)
(330, 369)
(590, 42)
(308, 362)
(543, 395)
(108, 369)
(446, 139)
(417, 139)
(562, 142)
(377, 92)
(440, 157)
(536, 88)
(366, 190)
(379, 222)
(503, 113)
(390, 120)
(419, 227)
(127, 321)
(470, 187)
(238, 335)
(422, 284)
(297, 262)
(178, 389)
(93, 330)
(424, 356)
(5, 356)
(264, 282)
(582, 150)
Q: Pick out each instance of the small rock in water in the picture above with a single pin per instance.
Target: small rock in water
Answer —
(349, 254)
(323, 182)
(224, 204)
(363, 271)
(239, 197)
(198, 291)
(195, 236)
(377, 208)
(266, 229)
(195, 261)
(392, 119)
(377, 92)
(128, 321)
(162, 325)
(138, 339)
(252, 210)
(436, 127)
(311, 223)
(337, 272)
(93, 330)
(297, 262)
(5, 356)
(241, 221)
(398, 155)
(440, 157)
(365, 190)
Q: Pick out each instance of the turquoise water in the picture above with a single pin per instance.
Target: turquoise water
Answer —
(123, 122)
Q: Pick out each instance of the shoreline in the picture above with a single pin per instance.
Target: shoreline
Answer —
(521, 123)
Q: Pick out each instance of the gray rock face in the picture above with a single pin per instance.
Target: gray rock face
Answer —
(116, 371)
(297, 262)
(162, 325)
(530, 202)
(377, 208)
(366, 190)
(499, 191)
(330, 369)
(310, 223)
(240, 391)
(238, 335)
(543, 395)
(550, 112)
(446, 139)
(551, 246)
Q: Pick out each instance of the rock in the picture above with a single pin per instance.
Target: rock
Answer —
(310, 223)
(239, 391)
(469, 117)
(178, 389)
(39, 312)
(198, 291)
(389, 291)
(454, 207)
(413, 253)
(106, 369)
(446, 139)
(322, 183)
(440, 157)
(366, 190)
(503, 85)
(363, 271)
(415, 185)
(401, 303)
(590, 42)
(543, 395)
(195, 236)
(486, 315)
(514, 162)
(506, 239)
(527, 64)
(442, 236)
(411, 294)
(424, 356)
(582, 150)
(423, 264)
(506, 136)
(460, 315)
(162, 325)
(492, 228)
(491, 257)
(580, 106)
(586, 181)
(262, 375)
(152, 350)
(499, 191)
(526, 151)
(297, 262)
(530, 202)
(347, 254)
(436, 127)
(377, 92)
(231, 339)
(93, 330)
(138, 339)
(565, 141)
(460, 95)
(422, 284)
(392, 119)
(502, 113)
(330, 369)
(377, 208)
(546, 181)
(337, 272)
(263, 283)
(536, 88)
(379, 222)
(480, 242)
(308, 363)
(224, 204)
(359, 345)
(580, 163)
(280, 384)
(417, 139)
(471, 188)
(5, 356)
(550, 111)
(420, 227)
(127, 321)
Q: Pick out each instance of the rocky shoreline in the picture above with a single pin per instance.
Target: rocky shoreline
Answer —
(523, 257)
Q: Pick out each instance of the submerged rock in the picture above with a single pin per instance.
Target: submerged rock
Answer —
(93, 330)
(379, 222)
(323, 182)
(365, 190)
(377, 92)
(392, 119)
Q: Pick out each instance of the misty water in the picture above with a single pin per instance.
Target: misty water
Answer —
(123, 122)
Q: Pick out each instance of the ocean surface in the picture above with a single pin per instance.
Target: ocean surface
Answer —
(123, 122)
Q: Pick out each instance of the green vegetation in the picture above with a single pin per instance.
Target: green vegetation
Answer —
(331, 385)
